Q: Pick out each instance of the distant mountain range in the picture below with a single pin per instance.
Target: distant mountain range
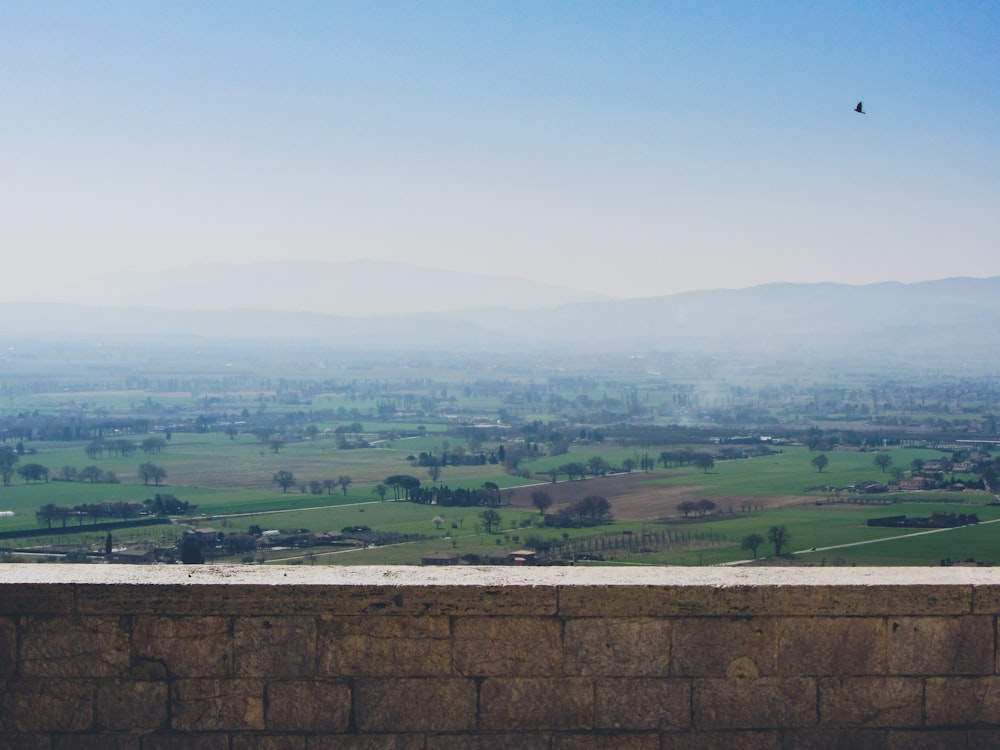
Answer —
(936, 324)
(353, 288)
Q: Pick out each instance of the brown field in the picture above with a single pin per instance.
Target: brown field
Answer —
(633, 497)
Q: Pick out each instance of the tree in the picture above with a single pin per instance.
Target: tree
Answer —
(150, 471)
(8, 457)
(380, 490)
(92, 474)
(917, 465)
(779, 537)
(108, 544)
(284, 479)
(882, 460)
(33, 473)
(542, 501)
(344, 481)
(704, 462)
(820, 462)
(191, 553)
(705, 506)
(751, 542)
(491, 520)
(434, 472)
(153, 444)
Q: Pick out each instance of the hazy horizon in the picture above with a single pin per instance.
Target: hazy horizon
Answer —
(631, 151)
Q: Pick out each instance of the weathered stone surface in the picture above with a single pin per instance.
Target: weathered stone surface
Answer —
(483, 741)
(415, 705)
(308, 706)
(44, 705)
(763, 703)
(832, 646)
(617, 647)
(187, 646)
(217, 705)
(955, 701)
(940, 645)
(871, 701)
(74, 647)
(174, 658)
(8, 647)
(536, 703)
(131, 705)
(274, 646)
(384, 646)
(717, 646)
(639, 703)
(510, 646)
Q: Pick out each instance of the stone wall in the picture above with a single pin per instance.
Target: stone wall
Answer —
(144, 658)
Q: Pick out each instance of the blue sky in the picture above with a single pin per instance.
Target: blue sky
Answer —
(631, 148)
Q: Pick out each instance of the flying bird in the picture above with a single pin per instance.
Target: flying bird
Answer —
(858, 109)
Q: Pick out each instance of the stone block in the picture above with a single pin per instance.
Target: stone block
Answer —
(536, 703)
(832, 646)
(717, 646)
(928, 739)
(366, 742)
(74, 646)
(763, 703)
(940, 646)
(384, 646)
(185, 742)
(763, 600)
(617, 647)
(19, 741)
(8, 647)
(871, 701)
(131, 705)
(648, 741)
(187, 646)
(96, 742)
(46, 705)
(953, 701)
(51, 598)
(642, 703)
(217, 705)
(274, 646)
(507, 646)
(308, 706)
(484, 741)
(390, 705)
(737, 740)
(268, 742)
(835, 739)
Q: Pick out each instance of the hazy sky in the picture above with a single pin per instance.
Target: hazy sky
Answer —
(633, 148)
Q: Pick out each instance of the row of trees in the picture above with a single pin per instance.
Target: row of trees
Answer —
(286, 479)
(776, 535)
(160, 505)
(97, 447)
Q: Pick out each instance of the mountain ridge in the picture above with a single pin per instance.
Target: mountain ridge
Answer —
(955, 318)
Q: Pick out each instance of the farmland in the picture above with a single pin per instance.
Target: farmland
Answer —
(411, 456)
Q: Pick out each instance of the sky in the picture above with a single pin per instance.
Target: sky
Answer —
(629, 148)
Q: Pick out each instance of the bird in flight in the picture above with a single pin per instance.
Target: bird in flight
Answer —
(859, 110)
